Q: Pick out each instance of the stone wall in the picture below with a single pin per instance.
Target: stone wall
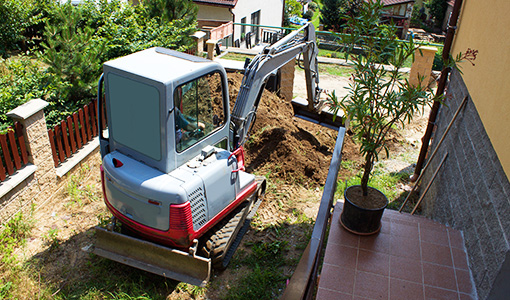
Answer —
(42, 182)
(471, 192)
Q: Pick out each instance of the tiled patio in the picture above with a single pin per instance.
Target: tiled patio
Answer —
(411, 258)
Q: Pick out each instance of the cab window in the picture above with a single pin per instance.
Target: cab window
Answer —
(198, 110)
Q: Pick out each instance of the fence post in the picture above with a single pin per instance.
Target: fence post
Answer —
(422, 66)
(210, 48)
(287, 80)
(31, 117)
(199, 39)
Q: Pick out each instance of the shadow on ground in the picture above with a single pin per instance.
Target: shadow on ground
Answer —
(74, 274)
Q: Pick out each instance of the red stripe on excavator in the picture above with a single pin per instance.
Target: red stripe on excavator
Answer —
(164, 237)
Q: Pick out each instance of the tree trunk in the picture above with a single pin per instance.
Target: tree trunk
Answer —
(369, 162)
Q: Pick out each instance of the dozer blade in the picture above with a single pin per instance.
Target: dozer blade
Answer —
(150, 257)
(324, 117)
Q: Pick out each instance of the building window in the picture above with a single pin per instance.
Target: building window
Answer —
(243, 28)
(255, 20)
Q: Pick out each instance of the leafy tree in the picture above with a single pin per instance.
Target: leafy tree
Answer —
(329, 13)
(335, 13)
(126, 29)
(378, 98)
(437, 10)
(73, 58)
(76, 40)
(170, 10)
(21, 80)
(292, 8)
(16, 17)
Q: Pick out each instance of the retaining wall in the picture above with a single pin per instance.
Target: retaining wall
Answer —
(471, 192)
(38, 181)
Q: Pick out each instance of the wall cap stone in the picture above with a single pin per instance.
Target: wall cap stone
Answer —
(428, 49)
(199, 34)
(76, 158)
(28, 109)
(16, 178)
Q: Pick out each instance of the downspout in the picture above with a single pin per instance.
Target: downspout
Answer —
(450, 34)
(233, 26)
(283, 14)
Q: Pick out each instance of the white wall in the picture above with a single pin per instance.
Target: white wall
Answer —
(271, 13)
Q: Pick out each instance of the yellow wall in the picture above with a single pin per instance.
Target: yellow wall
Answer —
(209, 12)
(485, 26)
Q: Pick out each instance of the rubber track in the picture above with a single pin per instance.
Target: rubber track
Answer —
(217, 242)
(224, 238)
(232, 249)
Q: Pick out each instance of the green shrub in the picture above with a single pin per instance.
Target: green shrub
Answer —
(22, 21)
(438, 63)
(76, 40)
(169, 10)
(21, 80)
(308, 14)
(15, 16)
(125, 29)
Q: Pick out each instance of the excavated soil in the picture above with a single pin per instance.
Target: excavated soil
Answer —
(287, 147)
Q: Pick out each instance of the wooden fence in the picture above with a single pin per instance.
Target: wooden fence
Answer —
(74, 132)
(13, 154)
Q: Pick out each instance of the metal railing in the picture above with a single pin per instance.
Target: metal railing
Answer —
(325, 39)
(303, 281)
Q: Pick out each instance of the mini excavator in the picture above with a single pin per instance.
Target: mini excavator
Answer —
(173, 169)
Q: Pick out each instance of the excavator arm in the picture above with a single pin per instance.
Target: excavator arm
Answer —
(301, 41)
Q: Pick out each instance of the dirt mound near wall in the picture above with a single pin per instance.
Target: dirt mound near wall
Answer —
(283, 146)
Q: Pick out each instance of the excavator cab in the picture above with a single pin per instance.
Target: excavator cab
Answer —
(149, 94)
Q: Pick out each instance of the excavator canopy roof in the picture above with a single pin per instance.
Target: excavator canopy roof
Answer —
(162, 65)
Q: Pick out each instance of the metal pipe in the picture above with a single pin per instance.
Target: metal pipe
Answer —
(450, 34)
(435, 151)
(430, 183)
(303, 282)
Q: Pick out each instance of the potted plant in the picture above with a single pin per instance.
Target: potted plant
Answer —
(379, 98)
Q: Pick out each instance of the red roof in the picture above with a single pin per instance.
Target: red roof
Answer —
(227, 3)
(393, 2)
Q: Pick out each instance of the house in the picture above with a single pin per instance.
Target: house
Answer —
(212, 13)
(472, 189)
(449, 9)
(399, 12)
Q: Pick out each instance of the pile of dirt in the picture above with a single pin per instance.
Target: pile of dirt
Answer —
(283, 146)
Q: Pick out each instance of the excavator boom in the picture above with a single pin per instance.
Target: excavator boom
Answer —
(301, 41)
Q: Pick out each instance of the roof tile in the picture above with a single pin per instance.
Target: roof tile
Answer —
(229, 3)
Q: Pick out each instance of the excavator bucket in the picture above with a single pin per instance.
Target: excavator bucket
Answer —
(150, 257)
(324, 117)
